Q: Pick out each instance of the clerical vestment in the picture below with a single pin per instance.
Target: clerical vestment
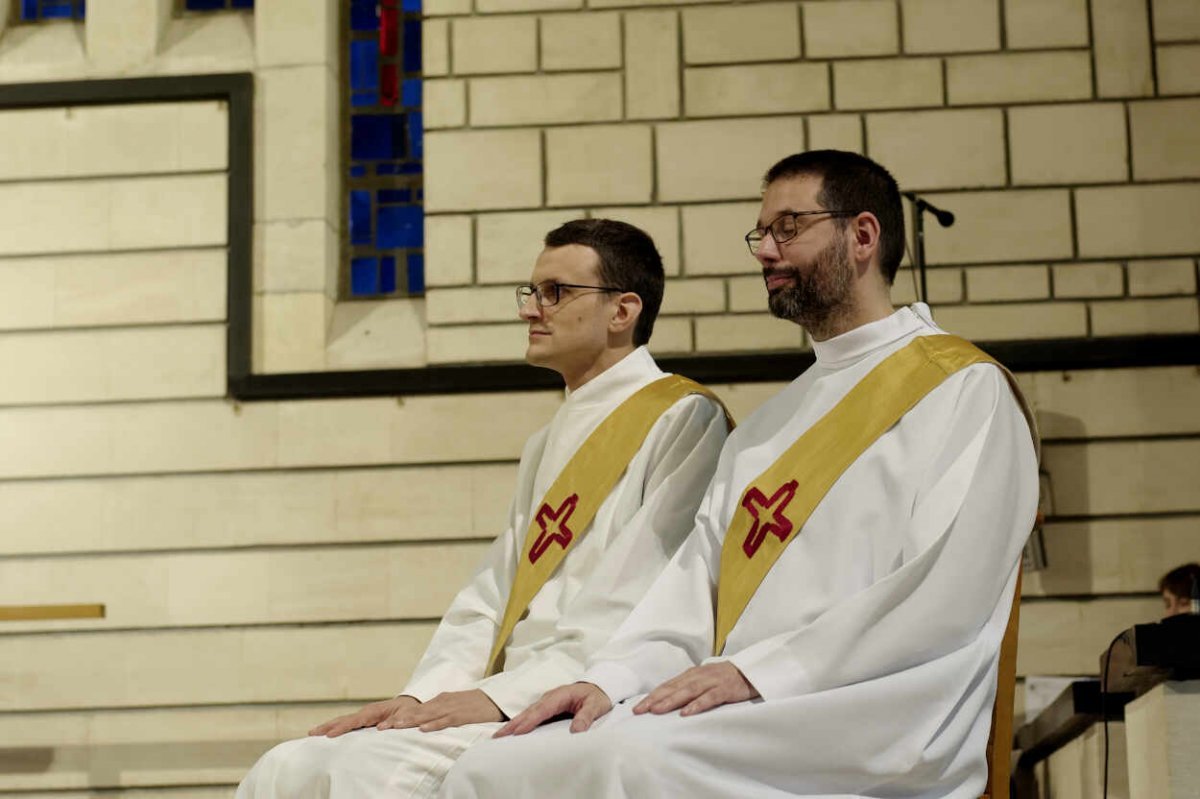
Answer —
(873, 640)
(632, 536)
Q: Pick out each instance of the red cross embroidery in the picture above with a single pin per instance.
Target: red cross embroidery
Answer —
(560, 532)
(779, 525)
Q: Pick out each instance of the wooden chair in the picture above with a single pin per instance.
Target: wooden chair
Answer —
(999, 747)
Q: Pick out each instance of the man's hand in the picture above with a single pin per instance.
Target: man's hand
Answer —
(583, 700)
(369, 716)
(698, 689)
(452, 709)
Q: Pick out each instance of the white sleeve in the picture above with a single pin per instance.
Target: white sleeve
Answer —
(684, 446)
(974, 509)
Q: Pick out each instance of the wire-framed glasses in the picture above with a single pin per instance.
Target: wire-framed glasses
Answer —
(785, 228)
(549, 292)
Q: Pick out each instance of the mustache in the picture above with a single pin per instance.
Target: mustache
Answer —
(769, 272)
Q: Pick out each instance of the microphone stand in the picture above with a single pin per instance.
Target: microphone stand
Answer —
(944, 218)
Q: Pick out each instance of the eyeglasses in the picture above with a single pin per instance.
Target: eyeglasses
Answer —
(785, 228)
(549, 292)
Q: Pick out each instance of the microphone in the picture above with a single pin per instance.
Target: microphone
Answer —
(944, 218)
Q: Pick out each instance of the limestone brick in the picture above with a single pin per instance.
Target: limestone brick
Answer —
(1059, 144)
(662, 225)
(1166, 139)
(448, 250)
(643, 3)
(1004, 283)
(747, 333)
(123, 34)
(444, 104)
(1138, 220)
(477, 343)
(747, 294)
(456, 306)
(1121, 48)
(296, 144)
(1088, 280)
(433, 8)
(748, 32)
(945, 286)
(950, 26)
(888, 83)
(294, 255)
(755, 89)
(940, 149)
(508, 244)
(504, 6)
(703, 295)
(546, 99)
(1140, 317)
(480, 170)
(1176, 20)
(1162, 278)
(1012, 321)
(291, 330)
(293, 33)
(835, 132)
(1179, 69)
(435, 47)
(1102, 403)
(483, 45)
(1018, 77)
(849, 28)
(671, 336)
(720, 160)
(581, 41)
(598, 164)
(1002, 226)
(651, 64)
(713, 238)
(1031, 24)
(377, 334)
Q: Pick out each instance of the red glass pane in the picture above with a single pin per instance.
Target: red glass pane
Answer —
(389, 84)
(389, 27)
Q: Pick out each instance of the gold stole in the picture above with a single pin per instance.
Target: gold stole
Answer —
(776, 505)
(585, 482)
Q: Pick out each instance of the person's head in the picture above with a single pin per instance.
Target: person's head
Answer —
(829, 237)
(593, 297)
(1176, 587)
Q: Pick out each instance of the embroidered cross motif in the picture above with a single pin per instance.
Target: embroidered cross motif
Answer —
(778, 525)
(559, 532)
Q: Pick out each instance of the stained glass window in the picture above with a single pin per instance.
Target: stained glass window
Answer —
(38, 10)
(217, 5)
(382, 149)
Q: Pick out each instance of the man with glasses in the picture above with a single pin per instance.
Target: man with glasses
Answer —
(831, 626)
(605, 494)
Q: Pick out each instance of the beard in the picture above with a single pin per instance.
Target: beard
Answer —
(818, 297)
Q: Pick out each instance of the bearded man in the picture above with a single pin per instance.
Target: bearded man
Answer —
(832, 625)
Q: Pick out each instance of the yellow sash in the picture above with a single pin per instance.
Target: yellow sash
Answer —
(775, 507)
(577, 493)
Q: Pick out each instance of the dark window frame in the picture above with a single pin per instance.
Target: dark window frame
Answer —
(237, 90)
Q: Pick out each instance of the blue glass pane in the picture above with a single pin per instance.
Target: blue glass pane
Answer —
(56, 11)
(410, 93)
(204, 5)
(364, 276)
(358, 171)
(409, 169)
(387, 275)
(394, 196)
(371, 138)
(360, 217)
(387, 169)
(401, 226)
(364, 65)
(416, 273)
(416, 137)
(243, 3)
(365, 99)
(412, 5)
(29, 10)
(412, 45)
(363, 16)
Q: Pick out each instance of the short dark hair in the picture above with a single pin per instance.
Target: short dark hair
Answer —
(628, 261)
(853, 182)
(1180, 579)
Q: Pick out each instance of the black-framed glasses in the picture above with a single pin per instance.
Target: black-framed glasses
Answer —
(549, 292)
(785, 228)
